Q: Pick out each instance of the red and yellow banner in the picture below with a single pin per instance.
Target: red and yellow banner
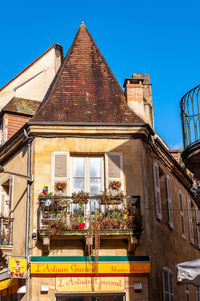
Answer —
(88, 268)
(90, 284)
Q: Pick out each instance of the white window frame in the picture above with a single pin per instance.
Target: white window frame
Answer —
(190, 221)
(157, 191)
(171, 289)
(169, 201)
(7, 209)
(86, 172)
(180, 197)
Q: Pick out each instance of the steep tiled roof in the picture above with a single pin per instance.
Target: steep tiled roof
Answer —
(22, 106)
(85, 89)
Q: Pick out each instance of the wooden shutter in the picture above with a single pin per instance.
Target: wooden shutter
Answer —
(169, 201)
(168, 290)
(114, 168)
(182, 222)
(190, 223)
(60, 171)
(11, 180)
(157, 190)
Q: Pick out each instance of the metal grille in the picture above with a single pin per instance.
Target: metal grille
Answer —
(190, 116)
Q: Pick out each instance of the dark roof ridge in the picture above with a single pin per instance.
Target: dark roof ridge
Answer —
(27, 67)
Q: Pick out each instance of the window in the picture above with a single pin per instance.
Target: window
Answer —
(85, 173)
(198, 293)
(169, 202)
(168, 291)
(6, 192)
(190, 222)
(157, 190)
(187, 292)
(182, 223)
(6, 196)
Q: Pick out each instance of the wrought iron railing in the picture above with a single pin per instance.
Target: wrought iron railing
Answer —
(6, 231)
(59, 214)
(190, 116)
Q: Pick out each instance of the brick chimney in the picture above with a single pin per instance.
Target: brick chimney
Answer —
(139, 97)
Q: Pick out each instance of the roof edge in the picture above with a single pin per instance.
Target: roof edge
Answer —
(37, 59)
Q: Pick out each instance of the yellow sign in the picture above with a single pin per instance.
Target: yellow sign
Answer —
(8, 283)
(17, 267)
(90, 284)
(86, 268)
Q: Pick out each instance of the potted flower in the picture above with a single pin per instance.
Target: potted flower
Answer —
(81, 224)
(115, 185)
(60, 186)
(80, 198)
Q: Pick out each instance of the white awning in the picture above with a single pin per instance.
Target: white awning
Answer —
(22, 290)
(189, 272)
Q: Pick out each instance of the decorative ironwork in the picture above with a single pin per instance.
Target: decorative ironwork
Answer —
(62, 214)
(190, 116)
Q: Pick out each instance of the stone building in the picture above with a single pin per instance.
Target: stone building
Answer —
(90, 195)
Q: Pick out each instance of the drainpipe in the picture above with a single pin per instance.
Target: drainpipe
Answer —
(28, 196)
(29, 139)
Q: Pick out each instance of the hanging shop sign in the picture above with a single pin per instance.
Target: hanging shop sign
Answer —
(17, 267)
(90, 284)
(83, 265)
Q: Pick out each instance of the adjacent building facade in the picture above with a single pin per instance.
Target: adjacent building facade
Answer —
(104, 211)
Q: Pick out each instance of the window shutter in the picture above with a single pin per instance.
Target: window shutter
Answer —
(197, 226)
(168, 289)
(181, 213)
(60, 171)
(114, 168)
(11, 180)
(169, 201)
(191, 234)
(157, 190)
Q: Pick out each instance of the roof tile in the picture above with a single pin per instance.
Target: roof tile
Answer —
(85, 89)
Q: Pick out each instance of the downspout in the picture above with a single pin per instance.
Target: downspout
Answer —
(29, 182)
(28, 197)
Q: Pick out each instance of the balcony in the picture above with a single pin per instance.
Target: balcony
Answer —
(190, 117)
(63, 218)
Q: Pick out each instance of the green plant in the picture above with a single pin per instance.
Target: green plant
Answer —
(80, 198)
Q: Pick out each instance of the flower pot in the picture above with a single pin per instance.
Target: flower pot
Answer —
(82, 226)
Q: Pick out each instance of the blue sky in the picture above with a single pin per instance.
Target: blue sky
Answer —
(156, 37)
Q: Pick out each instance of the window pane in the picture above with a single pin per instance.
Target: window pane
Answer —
(166, 297)
(171, 282)
(166, 282)
(95, 186)
(78, 167)
(182, 225)
(78, 184)
(95, 167)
